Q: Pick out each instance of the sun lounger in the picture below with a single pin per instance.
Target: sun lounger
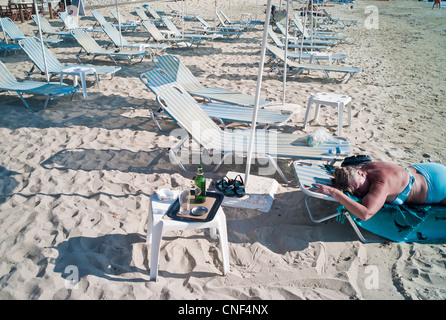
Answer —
(127, 24)
(305, 40)
(401, 223)
(33, 49)
(304, 46)
(51, 90)
(330, 19)
(320, 36)
(179, 105)
(249, 24)
(9, 47)
(15, 34)
(226, 32)
(48, 29)
(157, 80)
(181, 74)
(159, 37)
(174, 31)
(298, 68)
(119, 41)
(91, 47)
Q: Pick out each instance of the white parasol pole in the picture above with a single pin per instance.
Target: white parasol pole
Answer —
(119, 24)
(285, 51)
(41, 41)
(257, 96)
(302, 40)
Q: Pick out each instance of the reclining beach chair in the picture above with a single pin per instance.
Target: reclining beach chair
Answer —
(298, 68)
(91, 47)
(331, 20)
(48, 29)
(157, 80)
(314, 56)
(70, 24)
(181, 74)
(248, 24)
(9, 48)
(305, 40)
(305, 46)
(173, 30)
(125, 23)
(401, 223)
(15, 34)
(315, 35)
(51, 90)
(33, 49)
(118, 40)
(226, 32)
(179, 105)
(159, 37)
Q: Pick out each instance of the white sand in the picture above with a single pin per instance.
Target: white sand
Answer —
(75, 179)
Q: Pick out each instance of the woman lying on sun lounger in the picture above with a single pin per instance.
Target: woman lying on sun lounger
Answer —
(380, 182)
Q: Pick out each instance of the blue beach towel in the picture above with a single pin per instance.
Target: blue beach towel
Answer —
(406, 223)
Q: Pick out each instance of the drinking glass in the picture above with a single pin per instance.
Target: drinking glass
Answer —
(184, 199)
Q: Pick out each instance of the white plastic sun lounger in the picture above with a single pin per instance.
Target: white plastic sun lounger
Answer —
(181, 74)
(51, 90)
(298, 68)
(157, 80)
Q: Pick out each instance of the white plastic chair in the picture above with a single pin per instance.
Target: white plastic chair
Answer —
(158, 225)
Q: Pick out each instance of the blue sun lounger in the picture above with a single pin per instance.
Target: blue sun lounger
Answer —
(51, 90)
(400, 223)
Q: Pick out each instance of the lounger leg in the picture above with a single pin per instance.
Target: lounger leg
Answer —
(46, 102)
(23, 100)
(175, 149)
(355, 227)
(311, 215)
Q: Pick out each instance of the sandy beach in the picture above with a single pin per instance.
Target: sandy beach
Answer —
(76, 178)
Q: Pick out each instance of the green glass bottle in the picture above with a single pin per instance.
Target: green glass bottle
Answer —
(200, 186)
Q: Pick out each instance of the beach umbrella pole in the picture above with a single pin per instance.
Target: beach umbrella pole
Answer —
(257, 95)
(119, 24)
(285, 51)
(41, 41)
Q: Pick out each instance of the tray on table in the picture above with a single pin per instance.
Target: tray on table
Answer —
(212, 203)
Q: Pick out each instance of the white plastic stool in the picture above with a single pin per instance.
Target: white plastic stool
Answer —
(331, 99)
(159, 224)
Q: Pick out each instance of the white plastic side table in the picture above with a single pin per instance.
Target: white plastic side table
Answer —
(81, 72)
(331, 99)
(159, 223)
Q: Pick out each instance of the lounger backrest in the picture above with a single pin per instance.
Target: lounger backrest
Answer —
(11, 29)
(157, 80)
(153, 30)
(171, 26)
(274, 37)
(113, 34)
(86, 41)
(6, 78)
(141, 14)
(33, 48)
(177, 71)
(152, 11)
(98, 16)
(44, 24)
(202, 21)
(300, 26)
(185, 111)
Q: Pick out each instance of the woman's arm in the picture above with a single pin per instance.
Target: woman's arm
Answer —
(371, 203)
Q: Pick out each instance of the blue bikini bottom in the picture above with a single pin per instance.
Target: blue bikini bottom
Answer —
(435, 175)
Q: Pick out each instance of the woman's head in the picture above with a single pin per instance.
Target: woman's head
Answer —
(351, 179)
